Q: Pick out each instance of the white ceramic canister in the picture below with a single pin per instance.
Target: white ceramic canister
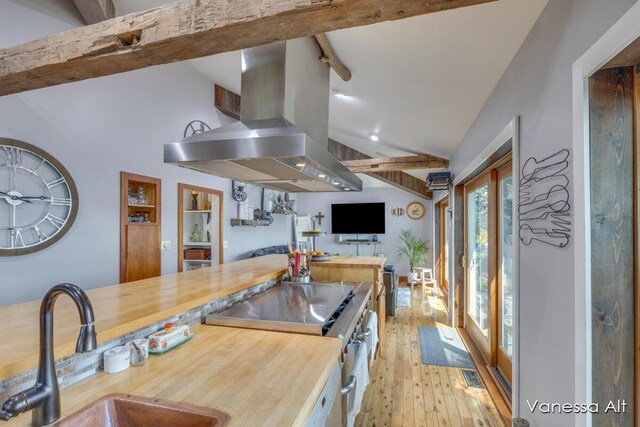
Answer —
(117, 359)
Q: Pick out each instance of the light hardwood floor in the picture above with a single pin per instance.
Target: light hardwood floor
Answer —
(404, 392)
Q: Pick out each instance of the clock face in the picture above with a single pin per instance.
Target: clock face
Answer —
(415, 210)
(38, 198)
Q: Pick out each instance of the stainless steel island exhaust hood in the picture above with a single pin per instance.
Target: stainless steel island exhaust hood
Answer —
(280, 141)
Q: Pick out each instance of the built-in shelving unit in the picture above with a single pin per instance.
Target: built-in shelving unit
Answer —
(199, 227)
(140, 223)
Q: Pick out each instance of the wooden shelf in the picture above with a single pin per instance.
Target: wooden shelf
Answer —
(142, 206)
(197, 244)
(367, 242)
(197, 260)
(196, 211)
(235, 222)
(283, 212)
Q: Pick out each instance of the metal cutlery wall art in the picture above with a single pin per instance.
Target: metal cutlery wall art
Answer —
(544, 211)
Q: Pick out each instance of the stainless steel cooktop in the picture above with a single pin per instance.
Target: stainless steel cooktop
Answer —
(289, 307)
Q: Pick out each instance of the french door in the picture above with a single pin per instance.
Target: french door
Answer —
(489, 265)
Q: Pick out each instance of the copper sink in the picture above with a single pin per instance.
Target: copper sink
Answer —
(115, 410)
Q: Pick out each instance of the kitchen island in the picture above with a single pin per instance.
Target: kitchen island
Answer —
(121, 309)
(257, 377)
(357, 269)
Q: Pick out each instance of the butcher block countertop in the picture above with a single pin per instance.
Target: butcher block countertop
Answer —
(352, 262)
(257, 377)
(120, 309)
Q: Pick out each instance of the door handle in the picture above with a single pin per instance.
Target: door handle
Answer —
(351, 384)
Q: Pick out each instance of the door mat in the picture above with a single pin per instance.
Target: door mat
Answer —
(472, 379)
(404, 297)
(443, 347)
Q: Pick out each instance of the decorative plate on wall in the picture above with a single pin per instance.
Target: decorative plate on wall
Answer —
(38, 198)
(415, 210)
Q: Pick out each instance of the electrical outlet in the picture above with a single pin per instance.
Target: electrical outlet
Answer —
(166, 245)
(225, 244)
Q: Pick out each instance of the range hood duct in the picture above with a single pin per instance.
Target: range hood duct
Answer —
(281, 139)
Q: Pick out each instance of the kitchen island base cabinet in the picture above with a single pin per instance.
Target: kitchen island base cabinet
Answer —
(327, 411)
(357, 269)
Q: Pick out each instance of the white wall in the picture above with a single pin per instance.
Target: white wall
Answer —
(394, 198)
(98, 128)
(537, 86)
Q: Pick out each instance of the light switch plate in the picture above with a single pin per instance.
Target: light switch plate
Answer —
(225, 244)
(166, 245)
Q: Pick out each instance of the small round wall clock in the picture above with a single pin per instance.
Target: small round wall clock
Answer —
(415, 210)
(38, 198)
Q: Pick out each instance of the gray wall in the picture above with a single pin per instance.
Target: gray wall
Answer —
(98, 128)
(394, 198)
(537, 86)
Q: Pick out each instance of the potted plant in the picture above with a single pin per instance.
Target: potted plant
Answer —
(414, 249)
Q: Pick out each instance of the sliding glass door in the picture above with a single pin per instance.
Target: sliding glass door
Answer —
(445, 223)
(479, 266)
(489, 265)
(505, 270)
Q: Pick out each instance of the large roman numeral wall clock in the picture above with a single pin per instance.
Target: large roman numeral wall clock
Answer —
(38, 198)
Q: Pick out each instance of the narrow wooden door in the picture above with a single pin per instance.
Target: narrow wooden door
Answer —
(143, 252)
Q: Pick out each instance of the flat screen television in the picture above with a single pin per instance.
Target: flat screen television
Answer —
(358, 218)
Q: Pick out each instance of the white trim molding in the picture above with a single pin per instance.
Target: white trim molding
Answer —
(612, 42)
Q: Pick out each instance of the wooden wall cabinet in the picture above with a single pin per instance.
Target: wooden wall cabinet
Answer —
(140, 227)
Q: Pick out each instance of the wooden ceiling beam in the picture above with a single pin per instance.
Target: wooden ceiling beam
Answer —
(93, 11)
(227, 101)
(330, 57)
(398, 179)
(186, 30)
(396, 164)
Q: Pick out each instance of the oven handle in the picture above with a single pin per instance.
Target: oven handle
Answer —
(363, 335)
(351, 384)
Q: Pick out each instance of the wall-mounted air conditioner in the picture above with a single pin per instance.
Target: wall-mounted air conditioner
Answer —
(439, 181)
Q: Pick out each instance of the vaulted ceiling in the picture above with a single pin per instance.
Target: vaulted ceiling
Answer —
(417, 83)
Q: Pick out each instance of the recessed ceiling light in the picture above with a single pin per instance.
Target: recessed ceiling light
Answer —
(347, 189)
(321, 175)
(300, 165)
(336, 183)
(374, 137)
